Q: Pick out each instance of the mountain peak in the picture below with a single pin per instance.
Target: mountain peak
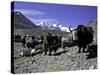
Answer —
(21, 21)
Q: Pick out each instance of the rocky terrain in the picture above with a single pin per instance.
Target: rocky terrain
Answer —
(65, 60)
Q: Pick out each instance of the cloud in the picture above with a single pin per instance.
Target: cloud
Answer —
(30, 11)
(47, 20)
(60, 26)
(66, 29)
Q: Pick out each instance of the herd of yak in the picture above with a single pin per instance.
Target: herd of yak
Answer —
(82, 36)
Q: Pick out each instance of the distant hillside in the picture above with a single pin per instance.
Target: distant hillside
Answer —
(21, 22)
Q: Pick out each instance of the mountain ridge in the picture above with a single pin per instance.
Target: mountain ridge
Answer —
(21, 21)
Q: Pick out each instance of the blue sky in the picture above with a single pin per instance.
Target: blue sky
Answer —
(57, 13)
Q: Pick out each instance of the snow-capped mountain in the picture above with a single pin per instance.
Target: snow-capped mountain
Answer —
(53, 26)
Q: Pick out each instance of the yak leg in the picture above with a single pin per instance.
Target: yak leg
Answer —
(79, 51)
(23, 44)
(55, 51)
(45, 52)
(87, 48)
(50, 51)
(84, 50)
(45, 49)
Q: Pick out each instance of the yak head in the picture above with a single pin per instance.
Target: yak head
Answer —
(73, 34)
(80, 30)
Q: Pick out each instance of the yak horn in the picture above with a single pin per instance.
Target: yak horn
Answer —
(70, 29)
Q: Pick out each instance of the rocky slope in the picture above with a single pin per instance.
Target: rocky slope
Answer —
(65, 60)
(93, 24)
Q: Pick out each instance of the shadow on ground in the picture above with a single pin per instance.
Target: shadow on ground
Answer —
(59, 53)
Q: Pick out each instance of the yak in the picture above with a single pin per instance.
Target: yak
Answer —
(83, 36)
(32, 41)
(51, 43)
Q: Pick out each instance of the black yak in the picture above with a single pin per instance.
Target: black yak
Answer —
(32, 42)
(83, 36)
(51, 43)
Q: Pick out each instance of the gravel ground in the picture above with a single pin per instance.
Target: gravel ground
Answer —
(65, 60)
